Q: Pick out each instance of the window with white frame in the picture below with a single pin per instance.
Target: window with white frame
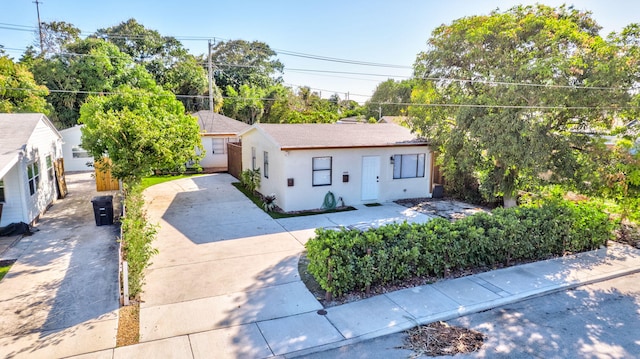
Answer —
(218, 145)
(408, 166)
(266, 164)
(321, 171)
(33, 176)
(79, 152)
(2, 198)
(50, 167)
(253, 158)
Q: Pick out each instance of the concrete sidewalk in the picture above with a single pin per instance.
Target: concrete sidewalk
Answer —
(225, 283)
(309, 332)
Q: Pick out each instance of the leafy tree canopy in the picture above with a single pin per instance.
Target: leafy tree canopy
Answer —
(55, 36)
(522, 89)
(140, 129)
(391, 98)
(90, 65)
(239, 62)
(167, 61)
(18, 89)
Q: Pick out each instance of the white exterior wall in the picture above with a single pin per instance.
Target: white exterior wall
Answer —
(297, 164)
(13, 208)
(72, 137)
(303, 195)
(215, 159)
(20, 205)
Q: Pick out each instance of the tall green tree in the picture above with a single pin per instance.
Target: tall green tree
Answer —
(246, 104)
(239, 62)
(89, 65)
(19, 92)
(140, 130)
(167, 61)
(522, 88)
(55, 36)
(391, 98)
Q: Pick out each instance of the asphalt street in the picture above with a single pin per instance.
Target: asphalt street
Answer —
(600, 320)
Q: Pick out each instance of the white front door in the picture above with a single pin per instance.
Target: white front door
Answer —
(370, 177)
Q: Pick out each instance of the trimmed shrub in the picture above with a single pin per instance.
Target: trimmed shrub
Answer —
(137, 235)
(350, 260)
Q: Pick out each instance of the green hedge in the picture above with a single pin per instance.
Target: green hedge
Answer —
(137, 235)
(399, 251)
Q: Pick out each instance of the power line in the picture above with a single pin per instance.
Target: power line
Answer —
(523, 107)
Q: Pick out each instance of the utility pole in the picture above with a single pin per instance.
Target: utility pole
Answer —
(210, 80)
(379, 112)
(39, 27)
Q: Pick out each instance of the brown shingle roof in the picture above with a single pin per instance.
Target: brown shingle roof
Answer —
(215, 123)
(322, 135)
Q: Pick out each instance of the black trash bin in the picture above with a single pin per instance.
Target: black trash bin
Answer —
(103, 210)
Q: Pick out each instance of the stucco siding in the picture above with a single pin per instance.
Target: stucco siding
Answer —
(72, 138)
(304, 195)
(219, 157)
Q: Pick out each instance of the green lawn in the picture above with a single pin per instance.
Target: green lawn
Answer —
(4, 268)
(153, 180)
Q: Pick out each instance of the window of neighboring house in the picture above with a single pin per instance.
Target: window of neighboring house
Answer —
(79, 152)
(2, 199)
(50, 167)
(266, 164)
(253, 158)
(321, 171)
(218, 145)
(408, 166)
(33, 176)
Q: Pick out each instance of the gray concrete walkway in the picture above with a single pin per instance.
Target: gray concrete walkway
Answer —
(225, 283)
(60, 297)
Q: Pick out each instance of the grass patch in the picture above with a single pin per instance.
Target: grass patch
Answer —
(376, 204)
(276, 215)
(4, 268)
(154, 180)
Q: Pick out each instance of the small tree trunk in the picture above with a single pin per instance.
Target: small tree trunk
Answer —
(509, 200)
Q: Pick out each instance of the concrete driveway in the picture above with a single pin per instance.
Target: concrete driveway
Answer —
(224, 265)
(61, 296)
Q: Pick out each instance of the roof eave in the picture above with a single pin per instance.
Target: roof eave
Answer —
(294, 148)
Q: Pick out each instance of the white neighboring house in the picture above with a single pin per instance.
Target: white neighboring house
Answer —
(360, 164)
(29, 146)
(76, 158)
(216, 131)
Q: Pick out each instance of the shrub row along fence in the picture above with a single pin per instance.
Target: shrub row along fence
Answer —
(137, 235)
(350, 260)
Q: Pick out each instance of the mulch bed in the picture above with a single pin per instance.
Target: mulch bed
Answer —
(440, 338)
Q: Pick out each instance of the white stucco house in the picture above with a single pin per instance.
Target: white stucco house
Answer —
(76, 158)
(216, 131)
(358, 163)
(29, 147)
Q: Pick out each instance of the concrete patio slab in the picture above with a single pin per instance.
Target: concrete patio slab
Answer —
(78, 339)
(423, 301)
(210, 313)
(367, 316)
(103, 354)
(177, 347)
(243, 341)
(302, 331)
(174, 284)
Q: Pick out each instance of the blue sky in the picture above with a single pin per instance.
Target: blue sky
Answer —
(388, 32)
